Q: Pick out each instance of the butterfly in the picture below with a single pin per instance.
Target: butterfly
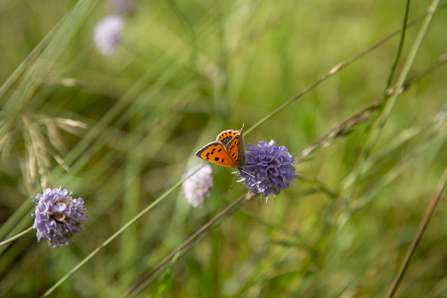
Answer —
(228, 150)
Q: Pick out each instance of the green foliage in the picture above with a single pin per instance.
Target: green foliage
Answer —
(119, 131)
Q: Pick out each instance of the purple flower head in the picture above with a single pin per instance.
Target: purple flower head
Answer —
(58, 217)
(197, 187)
(107, 34)
(268, 168)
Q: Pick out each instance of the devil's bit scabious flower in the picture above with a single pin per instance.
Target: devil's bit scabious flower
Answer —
(58, 217)
(268, 168)
(197, 187)
(107, 34)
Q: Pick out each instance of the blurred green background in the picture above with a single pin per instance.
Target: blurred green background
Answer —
(183, 72)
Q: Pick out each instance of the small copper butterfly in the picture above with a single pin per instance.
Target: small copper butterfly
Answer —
(228, 150)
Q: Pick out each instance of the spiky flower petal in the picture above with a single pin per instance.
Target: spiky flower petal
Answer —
(268, 168)
(107, 34)
(197, 187)
(58, 217)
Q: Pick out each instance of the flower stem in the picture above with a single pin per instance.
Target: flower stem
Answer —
(16, 236)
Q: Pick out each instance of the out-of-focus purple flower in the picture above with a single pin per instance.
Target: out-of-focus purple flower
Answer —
(197, 187)
(107, 34)
(268, 168)
(120, 6)
(58, 217)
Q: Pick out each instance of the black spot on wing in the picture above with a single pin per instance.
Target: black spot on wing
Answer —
(205, 148)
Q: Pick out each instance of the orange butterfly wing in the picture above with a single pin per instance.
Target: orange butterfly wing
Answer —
(226, 136)
(215, 152)
(236, 149)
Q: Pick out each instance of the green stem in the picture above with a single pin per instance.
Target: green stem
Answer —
(16, 236)
(405, 69)
(399, 50)
(388, 105)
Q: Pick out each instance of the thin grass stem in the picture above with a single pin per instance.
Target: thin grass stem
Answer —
(16, 236)
(417, 238)
(230, 208)
(441, 60)
(337, 68)
(374, 133)
(399, 50)
(15, 218)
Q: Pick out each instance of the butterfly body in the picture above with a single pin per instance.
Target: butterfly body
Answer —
(228, 150)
